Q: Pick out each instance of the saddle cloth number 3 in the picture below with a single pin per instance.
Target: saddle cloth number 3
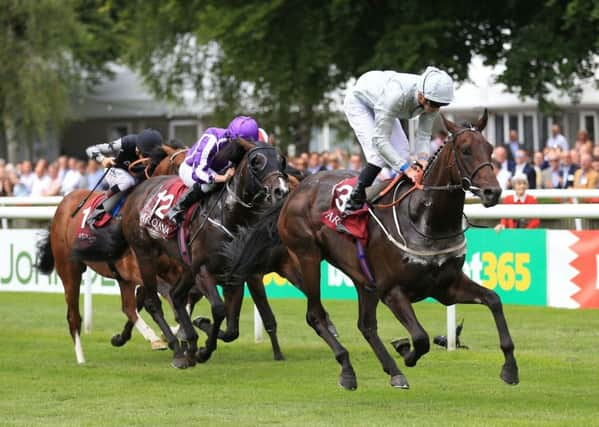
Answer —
(163, 202)
(343, 193)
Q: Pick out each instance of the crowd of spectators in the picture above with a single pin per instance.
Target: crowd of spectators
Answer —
(557, 166)
(58, 178)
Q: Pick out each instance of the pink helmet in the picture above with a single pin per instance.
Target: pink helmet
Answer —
(243, 127)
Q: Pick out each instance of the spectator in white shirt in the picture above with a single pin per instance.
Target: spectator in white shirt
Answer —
(40, 179)
(557, 139)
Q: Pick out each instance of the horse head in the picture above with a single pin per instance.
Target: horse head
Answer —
(467, 156)
(260, 175)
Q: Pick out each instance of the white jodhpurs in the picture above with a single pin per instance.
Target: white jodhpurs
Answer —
(361, 119)
(186, 172)
(120, 178)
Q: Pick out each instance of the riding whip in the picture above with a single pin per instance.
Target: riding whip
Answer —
(82, 202)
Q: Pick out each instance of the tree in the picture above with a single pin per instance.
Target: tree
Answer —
(48, 48)
(283, 59)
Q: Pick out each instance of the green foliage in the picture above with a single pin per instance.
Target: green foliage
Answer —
(47, 48)
(282, 59)
(241, 385)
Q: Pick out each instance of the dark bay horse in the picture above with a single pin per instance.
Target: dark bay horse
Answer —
(259, 182)
(55, 252)
(416, 249)
(168, 164)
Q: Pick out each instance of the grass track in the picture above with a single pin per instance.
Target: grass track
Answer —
(557, 351)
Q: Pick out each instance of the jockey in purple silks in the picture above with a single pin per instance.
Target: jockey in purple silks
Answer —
(199, 170)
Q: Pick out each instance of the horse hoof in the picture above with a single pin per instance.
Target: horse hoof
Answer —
(348, 382)
(399, 381)
(203, 355)
(117, 340)
(509, 374)
(228, 336)
(279, 356)
(180, 362)
(402, 346)
(159, 345)
(202, 323)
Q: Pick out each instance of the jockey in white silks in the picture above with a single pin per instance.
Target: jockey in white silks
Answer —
(373, 108)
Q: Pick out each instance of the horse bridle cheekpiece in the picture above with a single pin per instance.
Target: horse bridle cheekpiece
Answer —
(467, 178)
(256, 169)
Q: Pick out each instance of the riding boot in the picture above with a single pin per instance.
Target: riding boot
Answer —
(112, 197)
(357, 198)
(177, 212)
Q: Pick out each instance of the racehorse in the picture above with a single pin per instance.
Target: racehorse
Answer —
(258, 182)
(55, 251)
(168, 164)
(416, 249)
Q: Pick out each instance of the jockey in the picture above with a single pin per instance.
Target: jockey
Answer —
(372, 108)
(199, 171)
(118, 155)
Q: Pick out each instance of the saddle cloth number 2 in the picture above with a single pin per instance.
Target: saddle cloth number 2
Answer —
(163, 202)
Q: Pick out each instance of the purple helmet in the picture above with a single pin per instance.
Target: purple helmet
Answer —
(243, 127)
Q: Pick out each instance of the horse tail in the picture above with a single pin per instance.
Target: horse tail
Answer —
(44, 261)
(255, 249)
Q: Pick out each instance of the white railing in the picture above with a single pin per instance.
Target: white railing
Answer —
(44, 208)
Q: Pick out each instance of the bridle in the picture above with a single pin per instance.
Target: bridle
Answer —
(257, 177)
(466, 177)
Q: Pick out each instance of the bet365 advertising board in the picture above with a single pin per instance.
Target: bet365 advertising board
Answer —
(555, 268)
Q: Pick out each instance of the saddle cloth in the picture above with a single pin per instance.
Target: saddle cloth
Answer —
(153, 213)
(85, 234)
(356, 223)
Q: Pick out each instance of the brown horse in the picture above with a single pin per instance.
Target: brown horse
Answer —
(55, 251)
(416, 249)
(259, 181)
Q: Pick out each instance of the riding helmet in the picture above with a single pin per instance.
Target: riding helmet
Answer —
(243, 127)
(436, 85)
(147, 140)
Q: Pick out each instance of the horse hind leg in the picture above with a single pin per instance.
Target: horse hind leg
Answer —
(70, 275)
(402, 308)
(316, 316)
(466, 291)
(367, 324)
(256, 287)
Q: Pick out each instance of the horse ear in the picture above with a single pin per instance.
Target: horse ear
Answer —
(247, 145)
(449, 125)
(482, 122)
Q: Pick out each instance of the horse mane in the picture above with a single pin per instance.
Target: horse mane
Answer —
(159, 153)
(434, 156)
(255, 249)
(234, 151)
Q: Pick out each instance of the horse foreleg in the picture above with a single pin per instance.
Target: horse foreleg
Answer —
(179, 299)
(153, 305)
(467, 291)
(402, 308)
(233, 300)
(208, 285)
(256, 288)
(367, 324)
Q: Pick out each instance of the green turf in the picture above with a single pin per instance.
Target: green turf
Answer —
(557, 351)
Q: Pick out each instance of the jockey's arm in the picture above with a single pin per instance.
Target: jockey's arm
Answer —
(99, 151)
(423, 135)
(383, 126)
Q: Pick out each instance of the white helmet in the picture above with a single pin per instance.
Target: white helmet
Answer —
(436, 85)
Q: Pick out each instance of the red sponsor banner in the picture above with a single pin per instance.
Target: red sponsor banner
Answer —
(587, 251)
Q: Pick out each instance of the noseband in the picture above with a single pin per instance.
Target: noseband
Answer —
(257, 176)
